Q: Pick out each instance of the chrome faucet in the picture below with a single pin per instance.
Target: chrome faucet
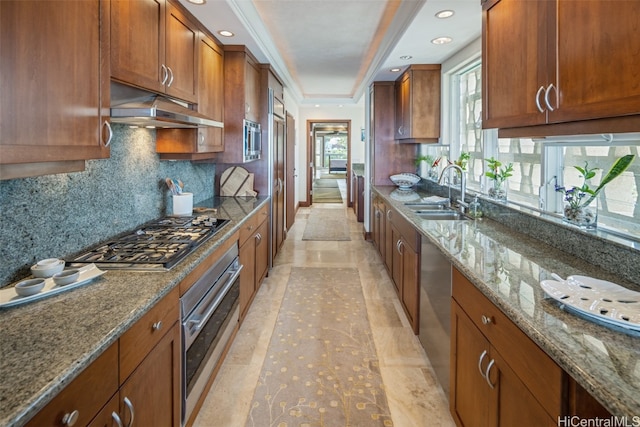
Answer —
(463, 185)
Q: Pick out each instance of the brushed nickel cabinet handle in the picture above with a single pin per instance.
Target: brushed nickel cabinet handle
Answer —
(482, 356)
(538, 99)
(487, 320)
(130, 406)
(110, 131)
(117, 419)
(488, 373)
(170, 76)
(165, 74)
(546, 97)
(157, 325)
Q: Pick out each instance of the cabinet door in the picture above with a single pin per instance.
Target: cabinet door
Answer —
(262, 252)
(469, 400)
(597, 51)
(181, 55)
(54, 86)
(108, 415)
(138, 42)
(515, 65)
(514, 404)
(252, 91)
(396, 260)
(152, 392)
(410, 284)
(403, 124)
(389, 241)
(247, 255)
(210, 94)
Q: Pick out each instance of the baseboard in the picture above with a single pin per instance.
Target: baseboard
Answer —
(304, 204)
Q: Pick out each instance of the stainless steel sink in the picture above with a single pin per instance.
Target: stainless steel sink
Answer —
(430, 207)
(446, 214)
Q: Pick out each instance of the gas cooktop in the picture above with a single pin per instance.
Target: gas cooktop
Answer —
(157, 246)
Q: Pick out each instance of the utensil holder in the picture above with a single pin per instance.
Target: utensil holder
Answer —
(182, 204)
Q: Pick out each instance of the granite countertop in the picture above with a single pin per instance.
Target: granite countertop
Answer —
(507, 267)
(45, 344)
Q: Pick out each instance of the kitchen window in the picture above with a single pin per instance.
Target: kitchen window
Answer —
(538, 164)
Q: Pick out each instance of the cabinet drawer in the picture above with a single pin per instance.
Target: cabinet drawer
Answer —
(541, 375)
(138, 341)
(262, 214)
(100, 378)
(248, 229)
(409, 234)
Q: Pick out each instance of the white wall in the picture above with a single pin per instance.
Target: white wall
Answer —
(355, 113)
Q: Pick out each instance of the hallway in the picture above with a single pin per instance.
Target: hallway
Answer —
(414, 397)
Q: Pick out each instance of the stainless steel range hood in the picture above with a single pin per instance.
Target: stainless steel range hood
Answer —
(139, 108)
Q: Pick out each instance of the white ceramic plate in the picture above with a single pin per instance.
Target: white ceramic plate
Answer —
(601, 300)
(9, 297)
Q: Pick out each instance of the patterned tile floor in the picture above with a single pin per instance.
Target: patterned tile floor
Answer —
(415, 398)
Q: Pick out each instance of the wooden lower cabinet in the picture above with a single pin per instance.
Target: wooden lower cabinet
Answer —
(405, 261)
(148, 390)
(152, 392)
(499, 377)
(254, 257)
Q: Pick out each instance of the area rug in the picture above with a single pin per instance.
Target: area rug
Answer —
(327, 224)
(333, 175)
(321, 368)
(326, 195)
(326, 183)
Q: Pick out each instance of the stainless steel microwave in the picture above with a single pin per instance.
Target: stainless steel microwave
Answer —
(252, 141)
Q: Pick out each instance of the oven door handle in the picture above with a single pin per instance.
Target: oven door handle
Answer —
(200, 323)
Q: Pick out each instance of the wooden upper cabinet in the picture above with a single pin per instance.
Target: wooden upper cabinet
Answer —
(54, 88)
(154, 46)
(242, 90)
(201, 143)
(512, 81)
(575, 62)
(386, 157)
(418, 104)
(598, 54)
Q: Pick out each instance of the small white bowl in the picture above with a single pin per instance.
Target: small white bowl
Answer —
(48, 269)
(29, 287)
(66, 277)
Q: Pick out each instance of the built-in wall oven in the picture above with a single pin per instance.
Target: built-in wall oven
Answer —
(209, 314)
(252, 141)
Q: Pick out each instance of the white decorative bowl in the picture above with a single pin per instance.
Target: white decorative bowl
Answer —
(47, 268)
(405, 180)
(29, 287)
(66, 277)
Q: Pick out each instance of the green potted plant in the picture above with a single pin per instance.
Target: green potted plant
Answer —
(463, 159)
(581, 203)
(498, 175)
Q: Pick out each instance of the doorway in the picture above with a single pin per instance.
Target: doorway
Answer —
(329, 160)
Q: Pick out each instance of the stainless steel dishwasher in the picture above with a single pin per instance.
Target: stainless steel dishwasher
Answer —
(435, 310)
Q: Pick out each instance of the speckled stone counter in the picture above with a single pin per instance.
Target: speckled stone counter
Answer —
(45, 344)
(507, 267)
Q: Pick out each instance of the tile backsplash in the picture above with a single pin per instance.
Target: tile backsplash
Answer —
(59, 215)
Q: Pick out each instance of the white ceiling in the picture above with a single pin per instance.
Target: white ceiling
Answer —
(328, 52)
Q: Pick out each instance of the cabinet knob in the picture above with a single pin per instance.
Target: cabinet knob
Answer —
(70, 418)
(157, 325)
(487, 320)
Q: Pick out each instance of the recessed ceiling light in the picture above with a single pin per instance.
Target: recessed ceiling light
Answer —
(445, 14)
(317, 105)
(197, 1)
(442, 40)
(406, 57)
(226, 33)
(395, 70)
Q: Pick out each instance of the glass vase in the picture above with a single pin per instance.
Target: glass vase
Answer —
(582, 216)
(498, 190)
(433, 173)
